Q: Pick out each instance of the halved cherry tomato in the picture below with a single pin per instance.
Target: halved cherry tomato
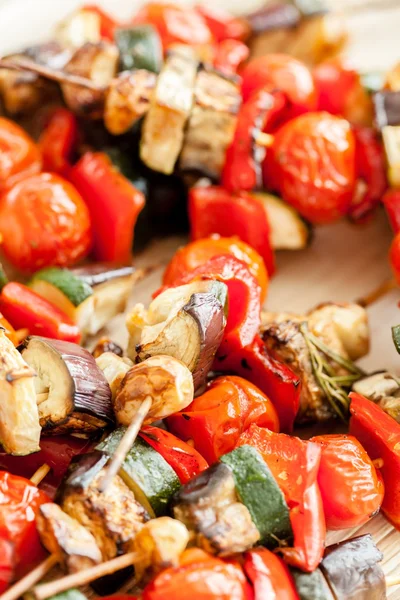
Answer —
(340, 92)
(191, 256)
(346, 468)
(314, 158)
(43, 222)
(57, 141)
(216, 419)
(269, 575)
(281, 72)
(19, 155)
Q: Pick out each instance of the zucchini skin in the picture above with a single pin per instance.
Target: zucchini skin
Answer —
(139, 48)
(73, 287)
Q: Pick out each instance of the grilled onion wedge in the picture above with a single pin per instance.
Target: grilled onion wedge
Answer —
(73, 394)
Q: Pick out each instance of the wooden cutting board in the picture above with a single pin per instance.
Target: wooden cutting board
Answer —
(343, 262)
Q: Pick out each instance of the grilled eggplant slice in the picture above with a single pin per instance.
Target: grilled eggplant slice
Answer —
(114, 368)
(78, 396)
(353, 570)
(90, 295)
(19, 417)
(128, 99)
(80, 27)
(209, 507)
(171, 103)
(67, 538)
(113, 517)
(288, 230)
(97, 62)
(186, 322)
(211, 124)
(383, 389)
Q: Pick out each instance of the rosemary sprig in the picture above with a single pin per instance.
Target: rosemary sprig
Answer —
(334, 386)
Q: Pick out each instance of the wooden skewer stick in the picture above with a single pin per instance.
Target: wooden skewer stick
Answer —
(126, 443)
(40, 474)
(264, 139)
(394, 580)
(376, 294)
(45, 590)
(25, 584)
(25, 64)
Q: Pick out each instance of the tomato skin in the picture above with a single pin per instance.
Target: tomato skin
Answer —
(57, 141)
(196, 253)
(7, 560)
(269, 575)
(391, 202)
(283, 73)
(314, 158)
(394, 256)
(346, 468)
(19, 502)
(229, 55)
(44, 222)
(19, 155)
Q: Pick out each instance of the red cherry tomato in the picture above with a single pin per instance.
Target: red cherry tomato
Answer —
(284, 73)
(44, 221)
(346, 468)
(19, 155)
(314, 162)
(7, 561)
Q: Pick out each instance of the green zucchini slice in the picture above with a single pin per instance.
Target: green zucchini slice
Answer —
(311, 586)
(396, 337)
(145, 472)
(74, 288)
(139, 48)
(259, 492)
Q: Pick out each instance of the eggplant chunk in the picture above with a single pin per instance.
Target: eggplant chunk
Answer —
(22, 92)
(128, 99)
(114, 368)
(211, 124)
(209, 507)
(186, 322)
(113, 517)
(353, 570)
(97, 62)
(67, 538)
(80, 27)
(170, 106)
(161, 542)
(73, 393)
(165, 379)
(383, 389)
(19, 418)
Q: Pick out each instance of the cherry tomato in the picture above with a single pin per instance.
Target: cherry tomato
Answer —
(44, 221)
(196, 253)
(7, 561)
(284, 73)
(346, 469)
(314, 162)
(19, 155)
(340, 92)
(394, 256)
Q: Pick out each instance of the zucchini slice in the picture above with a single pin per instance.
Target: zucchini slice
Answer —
(139, 48)
(312, 586)
(259, 492)
(289, 231)
(145, 472)
(65, 282)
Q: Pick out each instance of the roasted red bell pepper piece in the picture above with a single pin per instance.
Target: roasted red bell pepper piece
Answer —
(391, 201)
(294, 463)
(275, 379)
(269, 575)
(7, 561)
(185, 460)
(19, 502)
(216, 419)
(57, 141)
(261, 112)
(114, 205)
(107, 24)
(229, 55)
(215, 210)
(371, 168)
(394, 257)
(199, 576)
(24, 308)
(57, 452)
(222, 25)
(379, 433)
(243, 298)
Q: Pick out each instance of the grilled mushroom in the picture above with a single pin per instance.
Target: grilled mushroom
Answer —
(170, 106)
(19, 418)
(210, 509)
(67, 538)
(113, 517)
(73, 393)
(114, 368)
(186, 322)
(211, 124)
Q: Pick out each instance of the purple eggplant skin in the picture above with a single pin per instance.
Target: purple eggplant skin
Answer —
(353, 571)
(99, 273)
(387, 108)
(208, 312)
(81, 472)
